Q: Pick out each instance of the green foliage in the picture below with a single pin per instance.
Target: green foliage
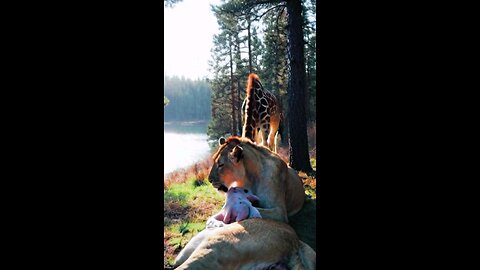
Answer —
(165, 101)
(221, 100)
(311, 192)
(238, 50)
(184, 228)
(220, 124)
(309, 13)
(268, 56)
(176, 241)
(176, 194)
(275, 75)
(199, 182)
(191, 227)
(185, 193)
(275, 54)
(170, 261)
(181, 234)
(187, 206)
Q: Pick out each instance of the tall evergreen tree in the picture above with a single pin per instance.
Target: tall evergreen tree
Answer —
(309, 26)
(297, 119)
(244, 51)
(275, 74)
(298, 140)
(221, 122)
(227, 49)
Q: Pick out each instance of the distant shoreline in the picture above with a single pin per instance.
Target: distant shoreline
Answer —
(186, 123)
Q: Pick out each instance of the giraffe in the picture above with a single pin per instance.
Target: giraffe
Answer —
(262, 114)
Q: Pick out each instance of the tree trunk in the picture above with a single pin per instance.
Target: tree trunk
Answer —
(297, 121)
(307, 92)
(239, 105)
(283, 124)
(250, 67)
(232, 89)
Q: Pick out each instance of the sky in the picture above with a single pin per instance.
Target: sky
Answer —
(188, 37)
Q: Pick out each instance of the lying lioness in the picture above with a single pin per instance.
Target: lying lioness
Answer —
(248, 244)
(240, 163)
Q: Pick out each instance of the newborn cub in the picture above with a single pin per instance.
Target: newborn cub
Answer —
(238, 206)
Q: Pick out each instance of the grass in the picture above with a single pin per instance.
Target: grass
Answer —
(198, 171)
(186, 207)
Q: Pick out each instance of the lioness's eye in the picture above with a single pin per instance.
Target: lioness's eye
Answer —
(220, 165)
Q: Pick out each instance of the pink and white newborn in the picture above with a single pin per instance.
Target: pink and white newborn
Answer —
(238, 206)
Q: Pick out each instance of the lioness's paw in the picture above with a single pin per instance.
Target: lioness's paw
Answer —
(254, 213)
(213, 223)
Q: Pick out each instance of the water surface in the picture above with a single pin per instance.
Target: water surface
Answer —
(185, 143)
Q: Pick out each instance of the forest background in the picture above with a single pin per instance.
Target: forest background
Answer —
(277, 41)
(253, 37)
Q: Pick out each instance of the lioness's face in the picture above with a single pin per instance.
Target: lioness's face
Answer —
(228, 169)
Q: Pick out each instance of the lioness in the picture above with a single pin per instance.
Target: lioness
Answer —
(247, 244)
(240, 163)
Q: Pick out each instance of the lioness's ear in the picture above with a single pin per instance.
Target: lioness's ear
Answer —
(236, 154)
(221, 141)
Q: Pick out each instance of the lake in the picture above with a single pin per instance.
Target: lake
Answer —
(185, 143)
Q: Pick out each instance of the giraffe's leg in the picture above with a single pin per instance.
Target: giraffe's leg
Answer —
(254, 134)
(274, 124)
(258, 136)
(265, 130)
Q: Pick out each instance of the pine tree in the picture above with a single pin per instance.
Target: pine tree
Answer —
(229, 49)
(225, 52)
(297, 120)
(298, 140)
(309, 14)
(275, 75)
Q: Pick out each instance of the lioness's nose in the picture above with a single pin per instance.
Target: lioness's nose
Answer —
(210, 180)
(210, 176)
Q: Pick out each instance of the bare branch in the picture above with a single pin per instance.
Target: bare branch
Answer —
(256, 18)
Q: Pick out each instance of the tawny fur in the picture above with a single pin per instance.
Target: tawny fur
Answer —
(278, 187)
(249, 244)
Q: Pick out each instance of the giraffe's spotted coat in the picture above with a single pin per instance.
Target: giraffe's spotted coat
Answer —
(261, 113)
